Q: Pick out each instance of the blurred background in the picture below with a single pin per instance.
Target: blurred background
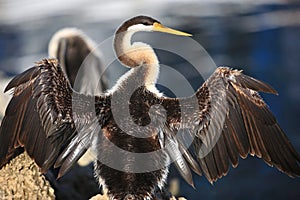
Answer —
(261, 37)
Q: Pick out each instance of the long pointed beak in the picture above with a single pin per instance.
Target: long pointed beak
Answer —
(161, 28)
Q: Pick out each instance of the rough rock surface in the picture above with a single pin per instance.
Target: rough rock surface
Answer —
(21, 179)
(105, 197)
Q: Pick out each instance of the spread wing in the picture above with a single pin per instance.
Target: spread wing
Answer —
(227, 119)
(46, 117)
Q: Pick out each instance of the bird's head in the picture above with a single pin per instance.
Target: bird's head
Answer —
(138, 53)
(145, 23)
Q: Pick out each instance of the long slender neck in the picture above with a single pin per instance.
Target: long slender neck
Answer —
(138, 56)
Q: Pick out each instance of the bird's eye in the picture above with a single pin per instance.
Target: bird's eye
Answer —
(147, 23)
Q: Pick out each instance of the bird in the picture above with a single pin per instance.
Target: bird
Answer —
(80, 59)
(143, 131)
(82, 62)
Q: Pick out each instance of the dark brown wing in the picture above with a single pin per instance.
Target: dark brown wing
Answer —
(47, 118)
(227, 118)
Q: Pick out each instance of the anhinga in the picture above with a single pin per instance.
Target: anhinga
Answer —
(56, 125)
(80, 59)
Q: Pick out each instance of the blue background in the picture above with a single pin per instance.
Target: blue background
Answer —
(262, 38)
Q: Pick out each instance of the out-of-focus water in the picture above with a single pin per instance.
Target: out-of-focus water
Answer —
(261, 37)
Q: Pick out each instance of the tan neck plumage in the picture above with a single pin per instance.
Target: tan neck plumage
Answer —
(138, 56)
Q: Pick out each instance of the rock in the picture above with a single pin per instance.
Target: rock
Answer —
(105, 197)
(21, 179)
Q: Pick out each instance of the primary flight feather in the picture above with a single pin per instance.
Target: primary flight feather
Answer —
(226, 117)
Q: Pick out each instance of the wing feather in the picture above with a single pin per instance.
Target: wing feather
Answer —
(232, 121)
(41, 118)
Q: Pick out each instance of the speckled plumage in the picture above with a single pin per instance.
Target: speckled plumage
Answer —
(56, 125)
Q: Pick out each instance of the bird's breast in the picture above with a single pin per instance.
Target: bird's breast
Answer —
(128, 165)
